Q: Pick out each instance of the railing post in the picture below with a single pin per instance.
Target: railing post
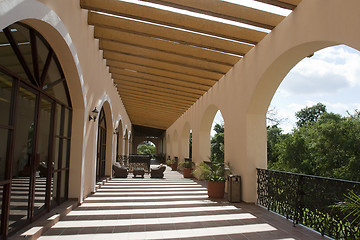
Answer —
(299, 201)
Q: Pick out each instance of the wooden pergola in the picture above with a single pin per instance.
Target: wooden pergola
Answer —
(165, 54)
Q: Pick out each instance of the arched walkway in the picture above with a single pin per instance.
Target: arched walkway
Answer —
(244, 93)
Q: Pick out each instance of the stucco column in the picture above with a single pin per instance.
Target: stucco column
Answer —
(123, 146)
(196, 158)
(128, 147)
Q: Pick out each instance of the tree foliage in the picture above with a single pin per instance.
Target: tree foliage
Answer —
(217, 144)
(146, 147)
(309, 115)
(322, 144)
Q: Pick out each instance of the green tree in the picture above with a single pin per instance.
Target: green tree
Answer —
(146, 147)
(309, 115)
(274, 135)
(217, 144)
(324, 144)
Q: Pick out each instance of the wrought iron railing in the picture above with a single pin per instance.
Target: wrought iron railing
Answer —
(308, 200)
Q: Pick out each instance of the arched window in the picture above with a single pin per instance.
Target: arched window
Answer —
(35, 127)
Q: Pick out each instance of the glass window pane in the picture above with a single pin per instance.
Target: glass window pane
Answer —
(21, 35)
(8, 58)
(67, 122)
(53, 75)
(57, 151)
(42, 152)
(3, 152)
(23, 156)
(24, 138)
(43, 51)
(19, 202)
(5, 98)
(58, 92)
(66, 153)
(57, 119)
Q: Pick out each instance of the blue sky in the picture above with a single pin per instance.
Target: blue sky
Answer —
(331, 76)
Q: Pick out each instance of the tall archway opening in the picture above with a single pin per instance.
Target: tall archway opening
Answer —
(126, 143)
(146, 147)
(119, 141)
(321, 94)
(186, 144)
(35, 124)
(101, 147)
(212, 119)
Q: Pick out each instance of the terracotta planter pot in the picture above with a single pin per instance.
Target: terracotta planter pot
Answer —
(173, 167)
(187, 173)
(216, 189)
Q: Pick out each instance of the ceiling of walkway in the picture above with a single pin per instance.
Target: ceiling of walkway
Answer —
(165, 54)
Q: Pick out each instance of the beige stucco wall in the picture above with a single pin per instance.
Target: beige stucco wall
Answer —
(245, 92)
(65, 27)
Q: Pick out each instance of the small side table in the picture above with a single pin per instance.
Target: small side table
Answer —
(139, 171)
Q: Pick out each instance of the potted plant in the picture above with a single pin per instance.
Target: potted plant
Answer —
(172, 163)
(215, 173)
(187, 167)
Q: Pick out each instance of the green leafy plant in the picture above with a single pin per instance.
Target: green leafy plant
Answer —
(187, 164)
(170, 161)
(351, 206)
(212, 172)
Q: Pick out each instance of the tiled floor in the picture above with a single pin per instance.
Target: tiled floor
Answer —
(170, 208)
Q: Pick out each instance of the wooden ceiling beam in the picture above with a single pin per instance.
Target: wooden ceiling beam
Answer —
(138, 112)
(165, 46)
(147, 97)
(226, 10)
(158, 89)
(154, 92)
(153, 102)
(153, 124)
(173, 19)
(291, 5)
(162, 65)
(149, 73)
(153, 109)
(107, 45)
(120, 79)
(169, 34)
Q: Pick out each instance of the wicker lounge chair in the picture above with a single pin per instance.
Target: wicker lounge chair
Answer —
(119, 171)
(157, 172)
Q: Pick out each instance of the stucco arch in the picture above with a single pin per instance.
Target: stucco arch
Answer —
(106, 105)
(126, 142)
(51, 27)
(118, 137)
(204, 131)
(283, 49)
(139, 141)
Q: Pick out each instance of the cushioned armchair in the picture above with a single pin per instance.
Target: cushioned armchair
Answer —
(157, 172)
(119, 171)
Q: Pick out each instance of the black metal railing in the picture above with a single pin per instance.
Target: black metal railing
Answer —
(308, 200)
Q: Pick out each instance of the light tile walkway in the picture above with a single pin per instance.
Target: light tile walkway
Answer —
(170, 208)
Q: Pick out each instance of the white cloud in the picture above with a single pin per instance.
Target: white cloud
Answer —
(327, 72)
